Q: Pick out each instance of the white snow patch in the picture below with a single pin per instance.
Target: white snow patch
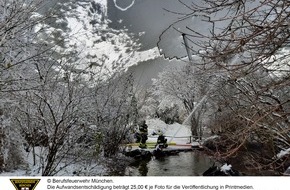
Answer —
(225, 168)
(287, 172)
(14, 173)
(141, 33)
(283, 153)
(279, 63)
(212, 137)
(177, 133)
(141, 56)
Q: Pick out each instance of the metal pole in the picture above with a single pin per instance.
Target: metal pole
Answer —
(188, 51)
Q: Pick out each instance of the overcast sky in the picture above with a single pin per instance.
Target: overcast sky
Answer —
(144, 15)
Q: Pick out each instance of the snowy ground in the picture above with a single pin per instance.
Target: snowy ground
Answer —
(176, 132)
(85, 169)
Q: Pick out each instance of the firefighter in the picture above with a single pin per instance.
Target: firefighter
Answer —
(143, 134)
(161, 140)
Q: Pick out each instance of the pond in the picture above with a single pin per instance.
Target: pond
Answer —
(183, 164)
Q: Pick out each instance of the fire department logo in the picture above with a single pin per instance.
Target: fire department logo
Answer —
(25, 184)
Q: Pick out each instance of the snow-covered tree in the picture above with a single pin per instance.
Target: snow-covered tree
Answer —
(55, 66)
(116, 113)
(17, 51)
(80, 34)
(52, 117)
(181, 88)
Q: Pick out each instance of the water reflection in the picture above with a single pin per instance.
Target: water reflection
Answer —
(143, 168)
(184, 164)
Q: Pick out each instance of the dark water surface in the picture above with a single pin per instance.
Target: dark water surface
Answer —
(183, 164)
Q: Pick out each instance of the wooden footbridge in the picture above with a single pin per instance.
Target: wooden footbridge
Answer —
(133, 149)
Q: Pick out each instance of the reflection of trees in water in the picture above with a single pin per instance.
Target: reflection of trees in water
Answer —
(117, 166)
(143, 168)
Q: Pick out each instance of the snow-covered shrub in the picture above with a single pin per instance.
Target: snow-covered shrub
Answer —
(250, 62)
(169, 114)
(115, 111)
(51, 65)
(252, 119)
(17, 50)
(181, 89)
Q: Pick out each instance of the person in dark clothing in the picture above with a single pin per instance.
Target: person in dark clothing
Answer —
(137, 136)
(161, 140)
(143, 134)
